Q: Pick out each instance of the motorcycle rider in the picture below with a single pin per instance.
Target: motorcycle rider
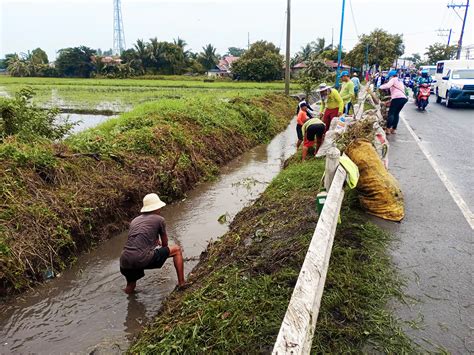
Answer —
(423, 78)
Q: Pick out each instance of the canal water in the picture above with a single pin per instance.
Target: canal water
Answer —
(85, 309)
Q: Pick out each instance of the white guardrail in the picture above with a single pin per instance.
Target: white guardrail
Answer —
(299, 324)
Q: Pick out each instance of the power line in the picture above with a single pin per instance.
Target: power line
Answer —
(353, 19)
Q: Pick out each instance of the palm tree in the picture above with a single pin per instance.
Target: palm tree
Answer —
(141, 54)
(208, 57)
(320, 45)
(306, 52)
(181, 43)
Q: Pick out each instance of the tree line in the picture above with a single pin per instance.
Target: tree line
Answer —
(261, 62)
(379, 48)
(145, 57)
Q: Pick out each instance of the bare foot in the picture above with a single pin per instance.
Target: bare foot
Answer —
(130, 288)
(387, 130)
(183, 286)
(393, 131)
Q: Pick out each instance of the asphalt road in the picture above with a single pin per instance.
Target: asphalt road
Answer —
(434, 248)
(448, 134)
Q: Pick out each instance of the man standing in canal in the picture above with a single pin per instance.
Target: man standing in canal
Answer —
(147, 245)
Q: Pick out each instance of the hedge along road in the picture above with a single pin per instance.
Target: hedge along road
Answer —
(86, 310)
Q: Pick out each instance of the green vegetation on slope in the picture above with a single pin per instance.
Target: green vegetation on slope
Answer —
(60, 198)
(241, 287)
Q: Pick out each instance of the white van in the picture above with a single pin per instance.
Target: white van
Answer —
(431, 72)
(455, 81)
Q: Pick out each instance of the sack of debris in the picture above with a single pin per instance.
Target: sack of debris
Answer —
(379, 191)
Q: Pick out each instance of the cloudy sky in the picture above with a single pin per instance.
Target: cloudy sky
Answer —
(55, 24)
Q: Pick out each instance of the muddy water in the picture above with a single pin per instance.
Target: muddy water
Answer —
(84, 121)
(85, 309)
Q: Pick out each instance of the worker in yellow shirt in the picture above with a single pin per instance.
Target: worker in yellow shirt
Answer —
(347, 91)
(331, 104)
(313, 134)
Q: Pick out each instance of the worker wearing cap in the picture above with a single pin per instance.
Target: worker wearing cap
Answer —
(347, 91)
(356, 81)
(331, 104)
(147, 245)
(300, 120)
(399, 99)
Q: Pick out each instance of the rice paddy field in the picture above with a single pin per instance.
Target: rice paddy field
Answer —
(118, 95)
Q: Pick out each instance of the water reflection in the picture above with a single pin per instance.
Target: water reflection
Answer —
(136, 314)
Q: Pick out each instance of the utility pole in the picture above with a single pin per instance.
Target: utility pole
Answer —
(466, 6)
(441, 33)
(339, 53)
(287, 64)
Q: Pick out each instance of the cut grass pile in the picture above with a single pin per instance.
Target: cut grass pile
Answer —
(122, 94)
(60, 198)
(241, 288)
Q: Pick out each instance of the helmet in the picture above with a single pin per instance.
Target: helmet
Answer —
(344, 73)
(392, 72)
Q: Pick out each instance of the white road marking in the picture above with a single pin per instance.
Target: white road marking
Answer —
(468, 215)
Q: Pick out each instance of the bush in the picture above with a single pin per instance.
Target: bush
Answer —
(18, 116)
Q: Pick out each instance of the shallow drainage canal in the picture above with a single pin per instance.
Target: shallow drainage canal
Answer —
(85, 310)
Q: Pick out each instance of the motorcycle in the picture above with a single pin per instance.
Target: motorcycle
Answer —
(422, 97)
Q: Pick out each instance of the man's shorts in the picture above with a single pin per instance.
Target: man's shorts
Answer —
(299, 132)
(159, 258)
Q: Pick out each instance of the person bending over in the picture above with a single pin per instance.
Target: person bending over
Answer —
(331, 104)
(147, 245)
(313, 133)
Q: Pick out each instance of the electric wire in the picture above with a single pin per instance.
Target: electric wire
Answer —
(353, 19)
(283, 29)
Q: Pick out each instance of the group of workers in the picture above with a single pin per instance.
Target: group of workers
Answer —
(311, 130)
(147, 244)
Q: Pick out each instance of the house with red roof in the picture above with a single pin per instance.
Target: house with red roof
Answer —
(223, 67)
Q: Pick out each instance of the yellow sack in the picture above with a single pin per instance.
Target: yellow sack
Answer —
(379, 191)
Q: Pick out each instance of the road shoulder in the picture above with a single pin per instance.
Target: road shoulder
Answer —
(433, 252)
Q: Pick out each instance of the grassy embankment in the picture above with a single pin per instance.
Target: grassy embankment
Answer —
(60, 198)
(99, 95)
(241, 287)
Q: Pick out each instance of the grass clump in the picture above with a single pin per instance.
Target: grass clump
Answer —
(61, 197)
(241, 287)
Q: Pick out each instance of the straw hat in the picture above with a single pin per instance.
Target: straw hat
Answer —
(152, 202)
(323, 87)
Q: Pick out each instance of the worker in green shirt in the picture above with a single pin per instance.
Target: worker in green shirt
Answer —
(313, 133)
(331, 104)
(347, 91)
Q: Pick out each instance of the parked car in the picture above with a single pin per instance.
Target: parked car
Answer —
(455, 82)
